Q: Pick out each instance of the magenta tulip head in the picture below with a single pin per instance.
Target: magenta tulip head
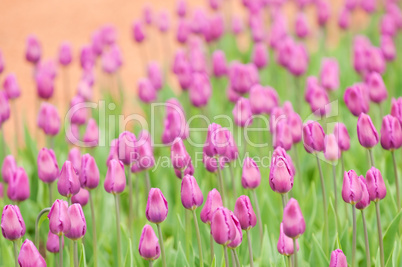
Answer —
(8, 168)
(157, 206)
(301, 28)
(138, 31)
(149, 246)
(89, 173)
(219, 63)
(178, 154)
(396, 108)
(223, 229)
(329, 75)
(91, 135)
(239, 234)
(52, 243)
(388, 48)
(375, 61)
(242, 112)
(281, 176)
(285, 243)
(11, 86)
(4, 107)
(300, 60)
(181, 8)
(351, 189)
(191, 195)
(251, 176)
(245, 213)
(260, 55)
(365, 201)
(33, 49)
(146, 92)
(356, 99)
(214, 201)
(342, 136)
(30, 256)
(68, 183)
(242, 77)
(65, 54)
(332, 151)
(126, 148)
(79, 114)
(366, 131)
(391, 133)
(48, 169)
(282, 135)
(338, 259)
(82, 197)
(263, 99)
(12, 223)
(18, 186)
(49, 119)
(375, 185)
(313, 137)
(376, 87)
(293, 220)
(200, 90)
(78, 223)
(296, 127)
(115, 181)
(145, 150)
(154, 73)
(74, 155)
(59, 219)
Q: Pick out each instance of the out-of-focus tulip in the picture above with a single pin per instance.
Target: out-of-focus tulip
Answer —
(8, 168)
(388, 25)
(115, 181)
(251, 176)
(365, 201)
(12, 223)
(300, 59)
(361, 47)
(11, 86)
(376, 61)
(78, 223)
(146, 154)
(391, 133)
(319, 102)
(18, 186)
(368, 5)
(147, 14)
(146, 91)
(323, 11)
(351, 5)
(293, 220)
(396, 108)
(351, 189)
(33, 49)
(356, 99)
(78, 111)
(1, 191)
(178, 154)
(52, 243)
(214, 201)
(342, 136)
(366, 131)
(29, 255)
(282, 135)
(48, 169)
(59, 219)
(231, 94)
(74, 156)
(149, 246)
(109, 34)
(191, 195)
(285, 243)
(331, 149)
(68, 183)
(65, 54)
(91, 135)
(175, 124)
(4, 108)
(181, 8)
(49, 119)
(281, 176)
(375, 185)
(329, 75)
(388, 48)
(313, 137)
(237, 25)
(260, 55)
(344, 19)
(296, 127)
(97, 44)
(163, 21)
(138, 31)
(154, 73)
(157, 206)
(200, 90)
(81, 197)
(376, 87)
(183, 31)
(245, 213)
(126, 148)
(223, 230)
(338, 259)
(242, 77)
(242, 112)
(263, 99)
(302, 28)
(87, 57)
(1, 63)
(44, 85)
(219, 63)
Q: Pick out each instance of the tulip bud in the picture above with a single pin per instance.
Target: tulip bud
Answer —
(52, 243)
(313, 137)
(138, 31)
(87, 56)
(323, 12)
(65, 54)
(293, 221)
(344, 19)
(115, 181)
(366, 132)
(146, 92)
(188, 170)
(388, 48)
(391, 133)
(329, 75)
(191, 195)
(260, 55)
(163, 21)
(91, 136)
(149, 247)
(157, 206)
(338, 259)
(351, 188)
(59, 219)
(74, 155)
(300, 59)
(200, 90)
(81, 197)
(376, 61)
(302, 28)
(342, 136)
(281, 176)
(232, 152)
(48, 169)
(183, 31)
(1, 63)
(319, 102)
(365, 201)
(331, 149)
(242, 112)
(8, 168)
(18, 186)
(11, 87)
(245, 213)
(33, 49)
(285, 243)
(49, 119)
(79, 113)
(178, 154)
(44, 84)
(237, 25)
(126, 148)
(147, 14)
(361, 47)
(263, 99)
(181, 8)
(388, 25)
(155, 75)
(145, 150)
(4, 107)
(211, 163)
(251, 176)
(282, 135)
(351, 5)
(12, 223)
(375, 185)
(242, 77)
(68, 183)
(377, 90)
(175, 122)
(396, 108)
(368, 5)
(30, 256)
(214, 201)
(219, 63)
(280, 152)
(239, 234)
(78, 223)
(223, 230)
(296, 125)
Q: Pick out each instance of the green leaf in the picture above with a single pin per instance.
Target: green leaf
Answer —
(390, 235)
(320, 249)
(129, 255)
(181, 259)
(83, 261)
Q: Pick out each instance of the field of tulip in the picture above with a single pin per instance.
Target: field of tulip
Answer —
(276, 155)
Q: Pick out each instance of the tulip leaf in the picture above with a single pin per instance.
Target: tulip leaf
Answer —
(320, 249)
(83, 261)
(181, 259)
(389, 236)
(129, 255)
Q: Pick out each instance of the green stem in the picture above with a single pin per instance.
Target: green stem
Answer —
(151, 263)
(366, 240)
(148, 181)
(69, 201)
(371, 157)
(233, 179)
(225, 251)
(283, 201)
(250, 248)
(197, 229)
(41, 213)
(343, 172)
(324, 197)
(396, 180)
(61, 250)
(75, 254)
(236, 258)
(16, 125)
(116, 200)
(233, 258)
(130, 198)
(377, 209)
(244, 142)
(220, 180)
(50, 185)
(294, 253)
(335, 191)
(354, 237)
(288, 261)
(94, 246)
(15, 252)
(257, 208)
(211, 246)
(162, 246)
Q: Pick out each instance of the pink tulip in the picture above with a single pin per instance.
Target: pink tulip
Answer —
(18, 186)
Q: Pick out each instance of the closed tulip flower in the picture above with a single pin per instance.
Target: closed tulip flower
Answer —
(91, 135)
(293, 220)
(157, 206)
(219, 63)
(260, 55)
(65, 54)
(52, 243)
(391, 133)
(214, 201)
(115, 181)
(342, 136)
(68, 183)
(302, 28)
(89, 174)
(223, 230)
(188, 170)
(251, 176)
(263, 99)
(191, 195)
(147, 14)
(344, 19)
(388, 49)
(8, 168)
(323, 12)
(356, 99)
(331, 149)
(126, 148)
(4, 108)
(242, 112)
(178, 154)
(175, 124)
(365, 201)
(12, 223)
(313, 137)
(183, 31)
(49, 119)
(351, 188)
(338, 259)
(329, 75)
(149, 246)
(245, 213)
(74, 155)
(281, 175)
(280, 152)
(285, 243)
(200, 90)
(376, 87)
(145, 150)
(319, 102)
(29, 256)
(33, 49)
(211, 163)
(375, 185)
(18, 186)
(239, 234)
(59, 219)
(138, 31)
(146, 92)
(79, 113)
(81, 197)
(154, 73)
(282, 136)
(376, 61)
(48, 169)
(44, 84)
(181, 8)
(300, 59)
(396, 108)
(78, 223)
(242, 77)
(11, 86)
(296, 127)
(366, 132)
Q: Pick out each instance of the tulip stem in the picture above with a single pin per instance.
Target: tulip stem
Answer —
(366, 240)
(295, 252)
(233, 179)
(283, 201)
(50, 185)
(343, 172)
(148, 181)
(335, 191)
(250, 248)
(162, 246)
(61, 250)
(151, 263)
(225, 251)
(211, 246)
(130, 198)
(396, 180)
(354, 237)
(41, 213)
(94, 246)
(197, 229)
(75, 254)
(232, 256)
(15, 252)
(236, 257)
(371, 157)
(16, 125)
(324, 203)
(221, 183)
(116, 200)
(377, 209)
(257, 207)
